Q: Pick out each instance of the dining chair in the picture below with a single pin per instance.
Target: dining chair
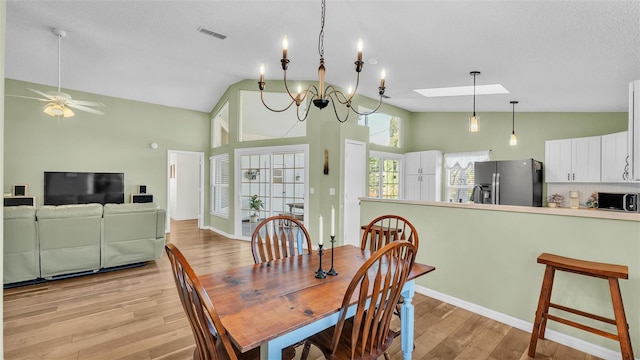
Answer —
(385, 229)
(376, 289)
(212, 342)
(278, 237)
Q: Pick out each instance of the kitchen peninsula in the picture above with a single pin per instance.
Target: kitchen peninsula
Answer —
(486, 261)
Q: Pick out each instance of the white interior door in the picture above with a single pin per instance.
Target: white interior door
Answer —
(355, 173)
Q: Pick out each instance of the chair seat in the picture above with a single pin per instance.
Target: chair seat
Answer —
(322, 341)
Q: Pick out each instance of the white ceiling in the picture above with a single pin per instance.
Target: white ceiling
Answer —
(552, 56)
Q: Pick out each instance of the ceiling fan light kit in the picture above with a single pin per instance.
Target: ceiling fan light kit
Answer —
(59, 104)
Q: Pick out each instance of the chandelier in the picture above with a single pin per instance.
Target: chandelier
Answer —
(320, 95)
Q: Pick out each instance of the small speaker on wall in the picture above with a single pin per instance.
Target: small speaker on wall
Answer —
(141, 198)
(19, 190)
(142, 189)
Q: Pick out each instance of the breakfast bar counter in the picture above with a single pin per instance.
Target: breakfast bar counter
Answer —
(486, 260)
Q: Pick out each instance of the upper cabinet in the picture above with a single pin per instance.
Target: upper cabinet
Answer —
(614, 157)
(423, 175)
(573, 160)
(634, 131)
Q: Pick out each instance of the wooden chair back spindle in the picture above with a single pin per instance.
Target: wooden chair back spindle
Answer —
(279, 237)
(386, 229)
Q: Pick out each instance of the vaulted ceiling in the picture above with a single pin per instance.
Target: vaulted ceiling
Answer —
(552, 56)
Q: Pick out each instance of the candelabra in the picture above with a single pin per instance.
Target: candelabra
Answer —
(320, 274)
(332, 271)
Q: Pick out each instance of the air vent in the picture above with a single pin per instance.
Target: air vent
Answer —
(211, 33)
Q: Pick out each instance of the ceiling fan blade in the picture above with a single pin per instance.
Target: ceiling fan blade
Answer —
(27, 97)
(48, 96)
(84, 108)
(82, 102)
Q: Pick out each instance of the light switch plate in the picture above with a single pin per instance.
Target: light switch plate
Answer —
(332, 191)
(311, 191)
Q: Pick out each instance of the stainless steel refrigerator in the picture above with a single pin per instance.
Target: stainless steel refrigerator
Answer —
(510, 182)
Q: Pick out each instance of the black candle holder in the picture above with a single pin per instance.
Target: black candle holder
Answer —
(332, 271)
(320, 274)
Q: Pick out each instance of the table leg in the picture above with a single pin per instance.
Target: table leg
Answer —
(406, 320)
(270, 351)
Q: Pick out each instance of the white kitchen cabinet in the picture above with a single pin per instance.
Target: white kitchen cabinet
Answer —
(614, 157)
(423, 175)
(573, 160)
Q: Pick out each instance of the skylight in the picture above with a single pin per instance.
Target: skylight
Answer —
(463, 90)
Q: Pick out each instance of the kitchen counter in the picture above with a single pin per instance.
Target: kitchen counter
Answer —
(485, 257)
(582, 212)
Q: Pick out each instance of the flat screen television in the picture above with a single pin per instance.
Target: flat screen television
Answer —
(63, 188)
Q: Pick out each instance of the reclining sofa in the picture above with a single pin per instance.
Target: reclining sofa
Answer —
(53, 241)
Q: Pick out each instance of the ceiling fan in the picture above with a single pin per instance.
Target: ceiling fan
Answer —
(59, 103)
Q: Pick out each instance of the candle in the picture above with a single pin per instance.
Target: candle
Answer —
(262, 73)
(320, 230)
(383, 74)
(360, 50)
(333, 221)
(285, 46)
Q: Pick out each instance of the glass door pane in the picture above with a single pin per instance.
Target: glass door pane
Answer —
(278, 180)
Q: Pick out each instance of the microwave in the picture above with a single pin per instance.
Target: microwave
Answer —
(618, 201)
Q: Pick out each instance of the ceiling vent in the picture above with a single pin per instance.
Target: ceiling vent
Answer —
(211, 33)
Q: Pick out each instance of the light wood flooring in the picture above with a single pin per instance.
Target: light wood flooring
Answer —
(136, 314)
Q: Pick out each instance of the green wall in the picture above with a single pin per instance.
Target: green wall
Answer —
(448, 132)
(115, 142)
(488, 258)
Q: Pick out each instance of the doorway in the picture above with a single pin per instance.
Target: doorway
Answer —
(276, 176)
(185, 179)
(355, 173)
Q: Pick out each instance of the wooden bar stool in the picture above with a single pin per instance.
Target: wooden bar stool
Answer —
(610, 272)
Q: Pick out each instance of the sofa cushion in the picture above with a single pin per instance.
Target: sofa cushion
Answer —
(129, 208)
(69, 211)
(19, 212)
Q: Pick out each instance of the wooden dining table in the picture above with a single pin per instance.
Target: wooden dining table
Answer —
(279, 303)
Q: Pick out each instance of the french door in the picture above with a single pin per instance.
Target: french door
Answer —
(277, 175)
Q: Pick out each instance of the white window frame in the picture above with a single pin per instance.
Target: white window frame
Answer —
(217, 123)
(381, 156)
(214, 184)
(366, 123)
(461, 161)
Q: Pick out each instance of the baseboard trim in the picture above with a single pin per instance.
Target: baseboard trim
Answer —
(558, 337)
(230, 236)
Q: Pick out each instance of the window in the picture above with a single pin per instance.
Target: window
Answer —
(220, 185)
(384, 129)
(460, 174)
(220, 127)
(259, 123)
(384, 175)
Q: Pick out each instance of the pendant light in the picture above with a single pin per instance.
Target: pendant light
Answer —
(513, 141)
(474, 126)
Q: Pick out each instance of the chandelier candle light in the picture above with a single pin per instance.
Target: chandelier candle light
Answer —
(321, 95)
